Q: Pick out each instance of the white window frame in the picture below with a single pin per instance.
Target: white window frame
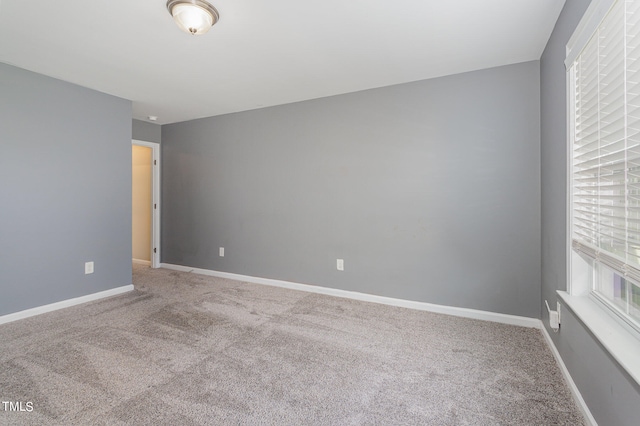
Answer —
(620, 336)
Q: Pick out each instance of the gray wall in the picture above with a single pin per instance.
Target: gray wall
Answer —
(65, 190)
(148, 132)
(612, 396)
(429, 191)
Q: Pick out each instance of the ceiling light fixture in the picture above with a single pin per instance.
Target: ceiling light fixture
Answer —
(193, 16)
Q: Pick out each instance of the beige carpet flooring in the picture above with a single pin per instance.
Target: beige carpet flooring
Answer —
(185, 349)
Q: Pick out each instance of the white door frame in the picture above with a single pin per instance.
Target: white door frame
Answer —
(155, 199)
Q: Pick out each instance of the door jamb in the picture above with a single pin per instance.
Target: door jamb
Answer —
(155, 199)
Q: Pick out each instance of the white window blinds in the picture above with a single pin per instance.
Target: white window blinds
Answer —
(606, 142)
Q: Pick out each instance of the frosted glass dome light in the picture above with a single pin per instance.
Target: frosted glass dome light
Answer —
(193, 16)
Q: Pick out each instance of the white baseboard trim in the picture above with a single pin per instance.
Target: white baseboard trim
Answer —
(421, 306)
(588, 417)
(141, 262)
(64, 304)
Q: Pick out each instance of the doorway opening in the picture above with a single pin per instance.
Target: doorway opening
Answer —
(145, 203)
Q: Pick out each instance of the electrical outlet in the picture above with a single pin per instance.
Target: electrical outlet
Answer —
(221, 251)
(340, 264)
(558, 310)
(88, 268)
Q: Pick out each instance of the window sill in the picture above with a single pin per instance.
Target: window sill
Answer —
(623, 345)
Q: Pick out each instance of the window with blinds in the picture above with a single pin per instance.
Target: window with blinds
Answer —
(605, 178)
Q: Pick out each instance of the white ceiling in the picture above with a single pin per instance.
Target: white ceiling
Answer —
(263, 53)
